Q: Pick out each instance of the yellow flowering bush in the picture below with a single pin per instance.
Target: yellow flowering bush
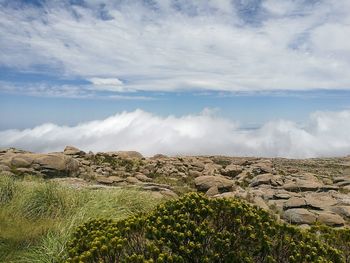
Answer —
(195, 228)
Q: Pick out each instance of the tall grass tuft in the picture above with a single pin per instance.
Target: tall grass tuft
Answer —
(48, 200)
(7, 188)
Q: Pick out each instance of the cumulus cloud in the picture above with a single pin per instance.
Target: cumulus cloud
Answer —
(325, 134)
(167, 45)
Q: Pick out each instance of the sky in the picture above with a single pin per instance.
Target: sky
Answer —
(231, 77)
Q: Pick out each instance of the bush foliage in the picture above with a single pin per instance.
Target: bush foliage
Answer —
(198, 229)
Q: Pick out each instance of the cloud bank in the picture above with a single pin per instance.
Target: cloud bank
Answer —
(325, 134)
(172, 45)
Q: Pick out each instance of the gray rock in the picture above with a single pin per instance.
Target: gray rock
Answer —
(109, 180)
(330, 219)
(299, 216)
(267, 178)
(71, 150)
(232, 170)
(294, 202)
(132, 180)
(342, 210)
(4, 168)
(203, 183)
(20, 162)
(194, 173)
(212, 191)
(143, 178)
(302, 186)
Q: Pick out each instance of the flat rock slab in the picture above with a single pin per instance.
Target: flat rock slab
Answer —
(330, 219)
(302, 186)
(299, 216)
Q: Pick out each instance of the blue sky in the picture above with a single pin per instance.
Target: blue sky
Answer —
(249, 62)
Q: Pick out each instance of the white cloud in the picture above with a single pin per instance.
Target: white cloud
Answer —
(177, 45)
(326, 134)
(68, 91)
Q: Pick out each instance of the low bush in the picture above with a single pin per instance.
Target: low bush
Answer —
(197, 229)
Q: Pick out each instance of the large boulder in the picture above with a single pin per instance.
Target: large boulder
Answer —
(204, 183)
(71, 150)
(57, 164)
(51, 165)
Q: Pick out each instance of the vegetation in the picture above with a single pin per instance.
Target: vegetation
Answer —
(197, 229)
(37, 217)
(42, 221)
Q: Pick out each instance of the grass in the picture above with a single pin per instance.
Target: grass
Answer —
(37, 217)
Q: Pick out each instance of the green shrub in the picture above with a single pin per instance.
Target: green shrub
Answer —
(338, 238)
(197, 229)
(7, 188)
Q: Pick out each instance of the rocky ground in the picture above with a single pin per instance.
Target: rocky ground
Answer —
(301, 192)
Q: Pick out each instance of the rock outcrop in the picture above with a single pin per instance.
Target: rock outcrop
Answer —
(298, 191)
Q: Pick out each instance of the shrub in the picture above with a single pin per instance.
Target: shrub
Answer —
(197, 229)
(338, 238)
(7, 188)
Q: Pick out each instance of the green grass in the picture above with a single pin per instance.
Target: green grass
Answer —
(37, 217)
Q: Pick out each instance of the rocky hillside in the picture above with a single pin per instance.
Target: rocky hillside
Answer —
(301, 192)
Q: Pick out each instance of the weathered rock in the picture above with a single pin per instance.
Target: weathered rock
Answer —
(263, 166)
(132, 180)
(71, 150)
(169, 193)
(294, 202)
(109, 180)
(198, 166)
(232, 170)
(299, 216)
(159, 156)
(212, 191)
(326, 188)
(194, 173)
(281, 196)
(330, 219)
(143, 178)
(86, 162)
(20, 162)
(343, 183)
(320, 201)
(57, 164)
(258, 201)
(339, 179)
(302, 186)
(266, 178)
(203, 183)
(4, 168)
(276, 205)
(342, 210)
(226, 195)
